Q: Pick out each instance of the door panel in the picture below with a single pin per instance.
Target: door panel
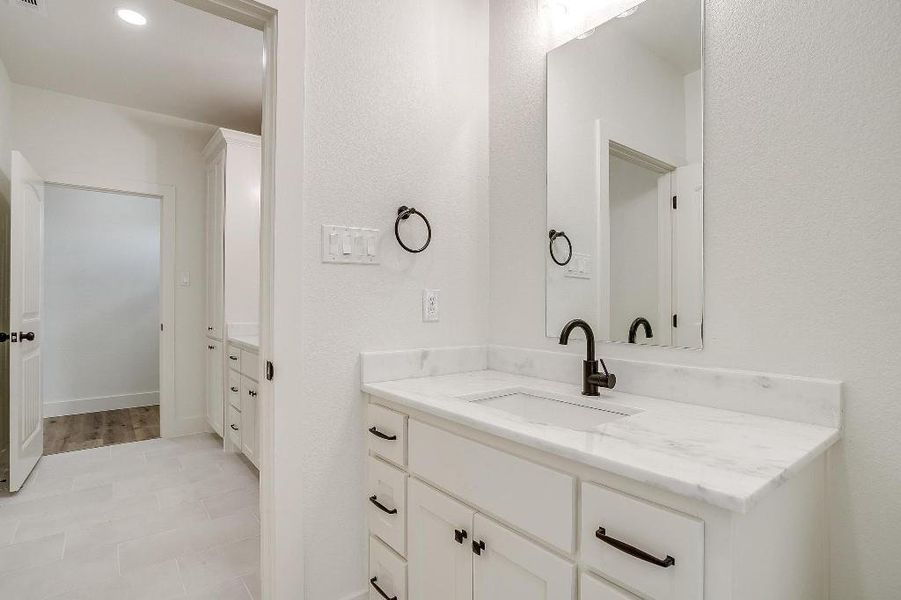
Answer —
(26, 437)
(215, 393)
(440, 557)
(510, 567)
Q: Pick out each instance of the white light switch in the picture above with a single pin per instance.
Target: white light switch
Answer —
(342, 244)
(184, 280)
(430, 307)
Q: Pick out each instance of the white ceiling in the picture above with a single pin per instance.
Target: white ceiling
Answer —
(184, 62)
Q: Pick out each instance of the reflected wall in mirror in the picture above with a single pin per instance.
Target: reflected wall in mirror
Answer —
(625, 177)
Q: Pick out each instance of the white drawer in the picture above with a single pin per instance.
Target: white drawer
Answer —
(387, 434)
(633, 525)
(387, 572)
(250, 364)
(387, 502)
(533, 497)
(595, 588)
(234, 425)
(234, 388)
(233, 357)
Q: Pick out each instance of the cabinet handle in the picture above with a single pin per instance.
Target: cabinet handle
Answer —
(211, 347)
(477, 547)
(622, 546)
(379, 434)
(459, 535)
(232, 357)
(390, 511)
(233, 426)
(380, 590)
(234, 389)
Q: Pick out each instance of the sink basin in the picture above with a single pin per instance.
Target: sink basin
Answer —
(549, 409)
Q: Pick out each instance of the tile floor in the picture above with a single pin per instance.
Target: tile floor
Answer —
(159, 519)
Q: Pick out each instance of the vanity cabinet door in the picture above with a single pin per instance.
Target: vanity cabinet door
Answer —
(439, 546)
(507, 566)
(249, 437)
(215, 393)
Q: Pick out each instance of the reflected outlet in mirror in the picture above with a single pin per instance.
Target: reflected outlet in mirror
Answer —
(625, 177)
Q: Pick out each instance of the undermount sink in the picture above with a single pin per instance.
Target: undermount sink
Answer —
(550, 409)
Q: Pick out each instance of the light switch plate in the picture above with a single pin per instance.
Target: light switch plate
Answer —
(579, 267)
(430, 305)
(349, 245)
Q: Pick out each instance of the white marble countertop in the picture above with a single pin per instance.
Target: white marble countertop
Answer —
(724, 458)
(248, 342)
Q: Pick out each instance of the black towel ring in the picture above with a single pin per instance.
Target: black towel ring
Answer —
(403, 213)
(554, 234)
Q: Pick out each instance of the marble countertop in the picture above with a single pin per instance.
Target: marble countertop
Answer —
(248, 342)
(724, 458)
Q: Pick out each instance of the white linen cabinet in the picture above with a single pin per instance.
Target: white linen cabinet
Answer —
(233, 181)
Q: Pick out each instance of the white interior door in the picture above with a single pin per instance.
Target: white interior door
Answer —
(26, 436)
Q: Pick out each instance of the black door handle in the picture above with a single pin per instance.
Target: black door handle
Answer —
(26, 336)
(379, 434)
(380, 590)
(622, 546)
(459, 535)
(375, 500)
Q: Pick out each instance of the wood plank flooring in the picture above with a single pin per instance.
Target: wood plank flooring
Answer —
(93, 430)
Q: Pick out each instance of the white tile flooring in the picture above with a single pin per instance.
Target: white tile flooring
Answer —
(161, 519)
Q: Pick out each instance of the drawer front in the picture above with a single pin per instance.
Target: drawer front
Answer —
(250, 364)
(387, 504)
(234, 425)
(387, 434)
(534, 498)
(630, 526)
(234, 388)
(233, 357)
(387, 572)
(595, 588)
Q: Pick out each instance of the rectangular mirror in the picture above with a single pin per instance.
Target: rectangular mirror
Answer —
(625, 177)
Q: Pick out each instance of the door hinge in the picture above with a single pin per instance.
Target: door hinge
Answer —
(270, 370)
(675, 202)
(675, 320)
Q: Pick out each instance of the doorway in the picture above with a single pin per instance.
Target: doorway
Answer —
(101, 372)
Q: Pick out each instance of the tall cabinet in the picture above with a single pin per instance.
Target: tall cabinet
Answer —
(232, 254)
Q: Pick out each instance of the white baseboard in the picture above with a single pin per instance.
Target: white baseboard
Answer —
(78, 406)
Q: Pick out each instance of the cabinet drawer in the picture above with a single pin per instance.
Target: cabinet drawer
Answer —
(234, 388)
(534, 498)
(631, 526)
(387, 504)
(250, 364)
(233, 357)
(387, 434)
(595, 588)
(387, 572)
(234, 425)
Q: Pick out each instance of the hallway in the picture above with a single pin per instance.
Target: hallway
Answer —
(157, 519)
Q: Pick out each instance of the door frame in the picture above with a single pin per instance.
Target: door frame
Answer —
(167, 197)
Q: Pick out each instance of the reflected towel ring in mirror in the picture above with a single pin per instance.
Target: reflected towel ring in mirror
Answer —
(554, 234)
(403, 213)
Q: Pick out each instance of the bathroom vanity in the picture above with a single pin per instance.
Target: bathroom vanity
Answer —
(492, 485)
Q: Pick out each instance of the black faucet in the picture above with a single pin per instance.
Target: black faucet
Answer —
(591, 378)
(633, 330)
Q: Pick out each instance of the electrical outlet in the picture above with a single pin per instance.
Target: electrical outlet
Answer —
(430, 305)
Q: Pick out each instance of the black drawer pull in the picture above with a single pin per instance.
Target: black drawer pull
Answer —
(233, 357)
(380, 590)
(379, 434)
(233, 426)
(459, 535)
(622, 546)
(390, 511)
(234, 389)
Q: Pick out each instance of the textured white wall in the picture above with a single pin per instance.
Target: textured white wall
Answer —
(396, 113)
(101, 296)
(64, 134)
(803, 143)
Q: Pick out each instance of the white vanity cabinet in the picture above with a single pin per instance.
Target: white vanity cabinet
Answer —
(466, 515)
(243, 376)
(215, 402)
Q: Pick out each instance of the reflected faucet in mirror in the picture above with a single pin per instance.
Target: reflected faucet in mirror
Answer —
(592, 379)
(633, 330)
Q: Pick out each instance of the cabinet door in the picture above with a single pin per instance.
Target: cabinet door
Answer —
(215, 263)
(439, 546)
(249, 437)
(215, 393)
(510, 567)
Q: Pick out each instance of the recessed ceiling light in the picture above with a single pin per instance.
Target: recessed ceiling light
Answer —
(131, 17)
(627, 13)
